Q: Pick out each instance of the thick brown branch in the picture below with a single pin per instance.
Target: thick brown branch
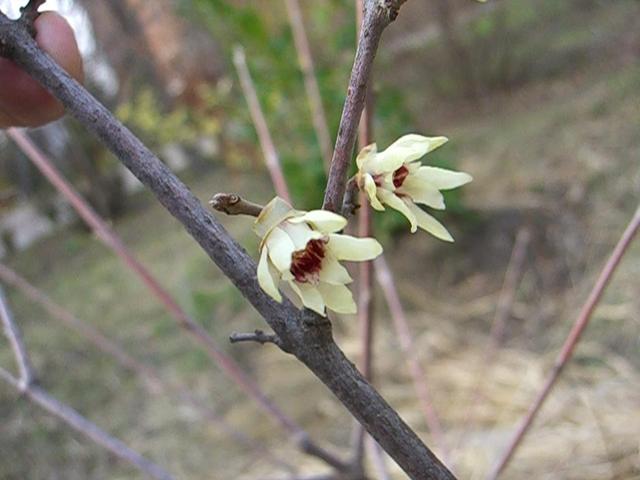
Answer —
(307, 335)
(378, 14)
(229, 366)
(81, 425)
(14, 336)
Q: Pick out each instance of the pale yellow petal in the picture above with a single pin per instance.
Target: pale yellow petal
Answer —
(367, 154)
(280, 248)
(322, 220)
(413, 167)
(273, 213)
(334, 273)
(430, 224)
(371, 189)
(412, 147)
(443, 179)
(346, 247)
(337, 298)
(265, 279)
(300, 234)
(309, 296)
(400, 205)
(421, 191)
(387, 162)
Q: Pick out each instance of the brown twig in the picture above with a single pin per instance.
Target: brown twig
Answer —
(228, 365)
(83, 426)
(24, 384)
(257, 336)
(305, 59)
(570, 343)
(307, 335)
(152, 378)
(234, 204)
(378, 14)
(271, 159)
(365, 269)
(401, 326)
(29, 13)
(12, 332)
(352, 200)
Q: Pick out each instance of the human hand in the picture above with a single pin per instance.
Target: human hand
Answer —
(23, 102)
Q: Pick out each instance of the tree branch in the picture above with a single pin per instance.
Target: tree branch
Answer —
(307, 335)
(571, 342)
(29, 13)
(378, 14)
(14, 336)
(201, 337)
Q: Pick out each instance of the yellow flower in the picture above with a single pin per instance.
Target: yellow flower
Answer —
(303, 249)
(395, 177)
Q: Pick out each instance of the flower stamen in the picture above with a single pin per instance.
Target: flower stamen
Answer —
(306, 264)
(399, 176)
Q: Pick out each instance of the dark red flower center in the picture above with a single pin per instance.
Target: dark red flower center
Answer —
(306, 264)
(399, 176)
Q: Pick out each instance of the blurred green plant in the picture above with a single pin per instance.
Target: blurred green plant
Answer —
(183, 123)
(264, 32)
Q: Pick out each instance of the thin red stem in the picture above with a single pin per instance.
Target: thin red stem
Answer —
(405, 337)
(271, 159)
(305, 59)
(570, 343)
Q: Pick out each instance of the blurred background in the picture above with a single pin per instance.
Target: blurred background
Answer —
(541, 102)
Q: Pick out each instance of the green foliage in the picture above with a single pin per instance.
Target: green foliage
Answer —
(264, 32)
(182, 124)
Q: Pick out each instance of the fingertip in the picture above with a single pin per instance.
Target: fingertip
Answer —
(23, 101)
(56, 37)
